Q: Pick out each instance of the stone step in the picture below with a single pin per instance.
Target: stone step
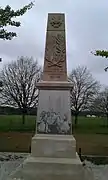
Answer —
(53, 168)
(46, 160)
(56, 146)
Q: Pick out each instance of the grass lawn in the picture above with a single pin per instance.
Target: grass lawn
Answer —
(91, 134)
(85, 125)
(91, 126)
(14, 123)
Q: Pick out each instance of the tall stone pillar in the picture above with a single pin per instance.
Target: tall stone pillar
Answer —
(54, 112)
(53, 148)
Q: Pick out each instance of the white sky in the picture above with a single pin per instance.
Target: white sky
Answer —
(86, 30)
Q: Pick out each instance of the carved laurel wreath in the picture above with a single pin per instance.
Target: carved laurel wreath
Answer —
(55, 51)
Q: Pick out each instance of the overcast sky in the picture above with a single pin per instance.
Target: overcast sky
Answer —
(86, 30)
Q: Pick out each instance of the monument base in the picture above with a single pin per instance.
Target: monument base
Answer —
(54, 113)
(48, 162)
(56, 146)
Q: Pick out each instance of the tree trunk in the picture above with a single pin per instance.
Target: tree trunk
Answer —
(24, 112)
(107, 119)
(76, 119)
(23, 118)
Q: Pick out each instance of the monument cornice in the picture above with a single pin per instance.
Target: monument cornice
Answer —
(54, 85)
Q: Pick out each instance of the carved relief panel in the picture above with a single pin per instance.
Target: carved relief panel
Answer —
(56, 22)
(55, 52)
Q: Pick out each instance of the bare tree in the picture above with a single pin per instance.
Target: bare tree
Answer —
(19, 84)
(1, 84)
(84, 90)
(100, 103)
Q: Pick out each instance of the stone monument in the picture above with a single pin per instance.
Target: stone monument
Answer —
(53, 148)
(54, 114)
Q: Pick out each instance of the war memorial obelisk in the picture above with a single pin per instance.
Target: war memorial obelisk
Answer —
(53, 148)
(54, 113)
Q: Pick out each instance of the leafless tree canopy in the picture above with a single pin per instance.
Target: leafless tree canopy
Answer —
(19, 83)
(0, 79)
(84, 90)
(100, 103)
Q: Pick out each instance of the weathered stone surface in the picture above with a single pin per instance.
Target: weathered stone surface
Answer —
(47, 162)
(42, 168)
(54, 113)
(54, 85)
(56, 22)
(55, 68)
(62, 146)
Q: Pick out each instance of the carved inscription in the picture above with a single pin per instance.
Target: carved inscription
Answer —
(55, 77)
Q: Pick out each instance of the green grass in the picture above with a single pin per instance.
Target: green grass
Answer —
(91, 125)
(91, 134)
(14, 123)
(85, 125)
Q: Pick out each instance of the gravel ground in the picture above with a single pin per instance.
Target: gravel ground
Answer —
(10, 161)
(100, 172)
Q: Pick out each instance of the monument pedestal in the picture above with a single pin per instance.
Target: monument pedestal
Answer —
(52, 157)
(54, 113)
